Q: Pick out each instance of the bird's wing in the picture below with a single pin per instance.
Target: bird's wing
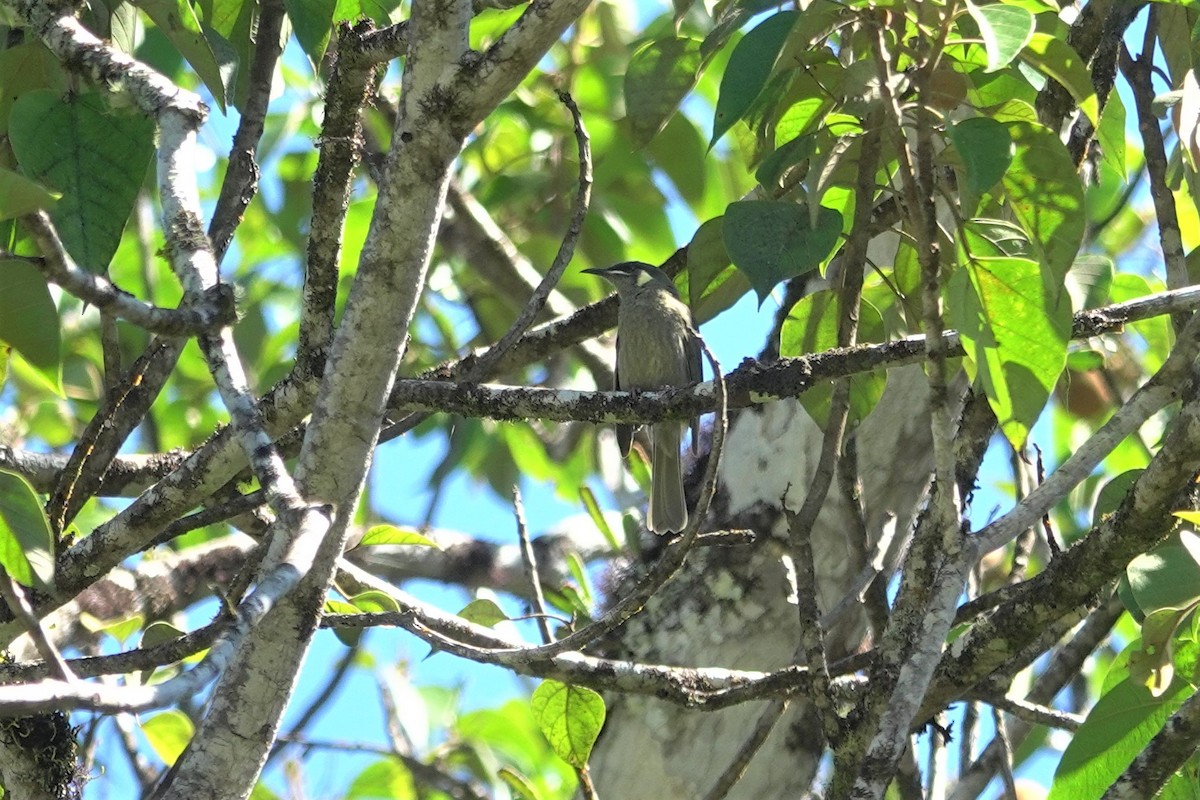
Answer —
(695, 368)
(624, 432)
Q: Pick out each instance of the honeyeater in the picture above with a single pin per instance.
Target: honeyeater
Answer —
(657, 348)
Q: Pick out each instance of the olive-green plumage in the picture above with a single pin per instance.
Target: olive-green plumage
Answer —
(656, 348)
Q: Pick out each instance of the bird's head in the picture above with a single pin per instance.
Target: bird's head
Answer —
(631, 275)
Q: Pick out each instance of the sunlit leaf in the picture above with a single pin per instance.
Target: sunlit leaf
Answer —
(1015, 332)
(812, 327)
(1005, 29)
(26, 542)
(1055, 58)
(483, 612)
(1046, 195)
(1116, 730)
(390, 534)
(168, 733)
(570, 718)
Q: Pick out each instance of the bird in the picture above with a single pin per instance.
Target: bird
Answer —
(657, 348)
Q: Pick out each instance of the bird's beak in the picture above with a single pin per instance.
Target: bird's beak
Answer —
(601, 271)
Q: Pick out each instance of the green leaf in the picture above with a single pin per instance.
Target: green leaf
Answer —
(159, 632)
(713, 283)
(26, 543)
(154, 634)
(579, 574)
(521, 787)
(1112, 494)
(659, 76)
(261, 792)
(588, 498)
(570, 718)
(385, 779)
(986, 150)
(373, 601)
(168, 733)
(811, 327)
(29, 320)
(209, 53)
(24, 68)
(679, 151)
(1111, 134)
(1168, 577)
(19, 195)
(1090, 281)
(483, 612)
(993, 238)
(347, 636)
(1052, 56)
(749, 67)
(390, 534)
(120, 629)
(1152, 664)
(1046, 195)
(1116, 730)
(770, 241)
(786, 155)
(97, 158)
(312, 20)
(1004, 29)
(1015, 334)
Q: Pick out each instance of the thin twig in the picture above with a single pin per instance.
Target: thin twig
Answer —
(1034, 713)
(529, 557)
(19, 606)
(1006, 763)
(766, 722)
(1138, 73)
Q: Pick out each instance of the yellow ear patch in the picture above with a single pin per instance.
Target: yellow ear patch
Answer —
(643, 277)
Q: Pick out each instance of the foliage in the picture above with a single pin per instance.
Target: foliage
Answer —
(876, 170)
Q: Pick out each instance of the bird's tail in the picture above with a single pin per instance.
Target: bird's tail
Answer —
(668, 508)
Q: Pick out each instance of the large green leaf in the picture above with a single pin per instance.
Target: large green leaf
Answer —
(1004, 29)
(1116, 730)
(209, 53)
(570, 718)
(168, 734)
(26, 542)
(713, 283)
(1053, 57)
(24, 68)
(1015, 331)
(19, 195)
(1046, 195)
(770, 241)
(386, 778)
(312, 20)
(749, 67)
(96, 157)
(659, 76)
(985, 148)
(29, 320)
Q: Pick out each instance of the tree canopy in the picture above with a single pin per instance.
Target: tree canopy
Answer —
(252, 251)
